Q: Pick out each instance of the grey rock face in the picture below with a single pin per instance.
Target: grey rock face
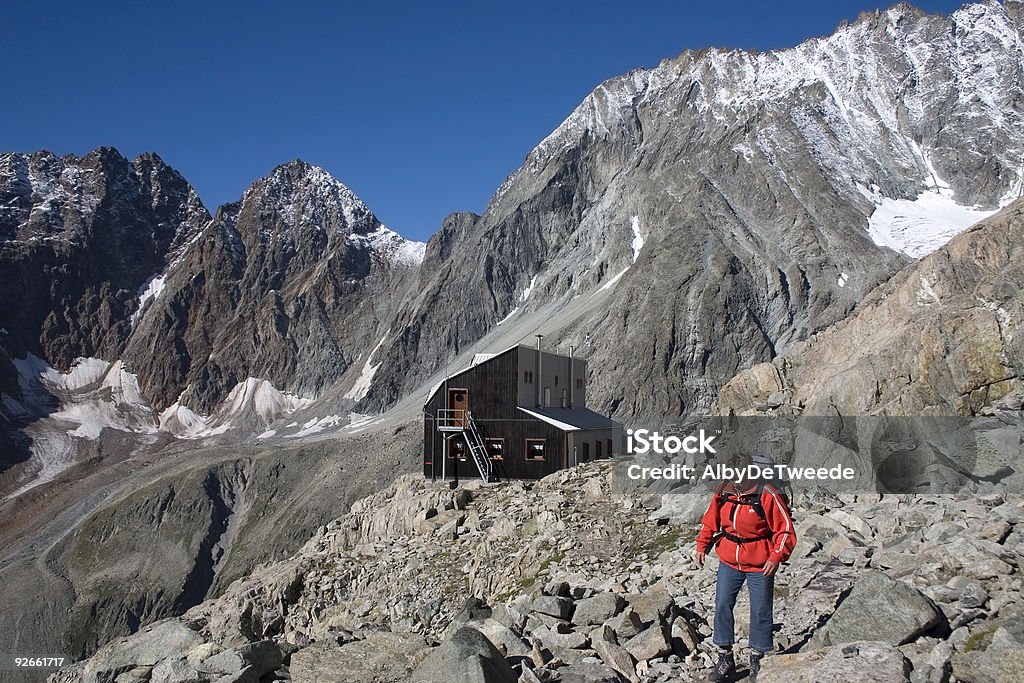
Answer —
(78, 238)
(880, 608)
(742, 172)
(649, 644)
(937, 339)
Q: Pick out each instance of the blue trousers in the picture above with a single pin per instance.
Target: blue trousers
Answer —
(727, 587)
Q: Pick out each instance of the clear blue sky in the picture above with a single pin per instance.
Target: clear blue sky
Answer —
(422, 108)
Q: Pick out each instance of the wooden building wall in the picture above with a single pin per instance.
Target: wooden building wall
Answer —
(492, 390)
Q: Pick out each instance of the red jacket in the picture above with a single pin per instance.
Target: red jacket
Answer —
(775, 533)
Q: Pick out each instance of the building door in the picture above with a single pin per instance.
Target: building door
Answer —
(458, 399)
(547, 397)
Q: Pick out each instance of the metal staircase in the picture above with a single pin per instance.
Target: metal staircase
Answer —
(462, 421)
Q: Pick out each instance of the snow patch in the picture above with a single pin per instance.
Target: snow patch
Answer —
(316, 425)
(510, 314)
(94, 395)
(843, 278)
(360, 423)
(917, 227)
(611, 283)
(149, 291)
(363, 383)
(393, 246)
(529, 290)
(638, 240)
(184, 423)
(253, 398)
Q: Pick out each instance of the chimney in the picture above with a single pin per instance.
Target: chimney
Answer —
(540, 373)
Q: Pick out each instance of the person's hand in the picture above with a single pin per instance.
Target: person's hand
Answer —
(770, 568)
(700, 560)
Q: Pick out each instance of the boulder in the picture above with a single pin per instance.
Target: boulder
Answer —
(881, 609)
(169, 639)
(684, 633)
(263, 657)
(597, 609)
(383, 657)
(141, 674)
(510, 616)
(202, 652)
(649, 644)
(553, 606)
(970, 592)
(588, 672)
(616, 657)
(626, 624)
(247, 675)
(509, 644)
(860, 661)
(178, 670)
(466, 657)
(440, 520)
(652, 606)
(994, 652)
(851, 522)
(681, 509)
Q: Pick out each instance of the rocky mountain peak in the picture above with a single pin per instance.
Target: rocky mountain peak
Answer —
(82, 235)
(300, 197)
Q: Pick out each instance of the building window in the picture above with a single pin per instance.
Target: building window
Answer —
(556, 380)
(579, 382)
(609, 448)
(495, 448)
(535, 449)
(597, 450)
(457, 449)
(527, 377)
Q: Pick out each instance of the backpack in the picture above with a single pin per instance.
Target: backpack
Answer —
(752, 499)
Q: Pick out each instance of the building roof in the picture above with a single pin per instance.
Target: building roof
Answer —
(481, 359)
(572, 419)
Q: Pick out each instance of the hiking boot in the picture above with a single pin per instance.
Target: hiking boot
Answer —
(755, 665)
(724, 668)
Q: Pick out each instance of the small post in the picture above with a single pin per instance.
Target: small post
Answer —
(540, 372)
(572, 381)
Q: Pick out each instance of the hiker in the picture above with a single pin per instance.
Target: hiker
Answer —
(749, 525)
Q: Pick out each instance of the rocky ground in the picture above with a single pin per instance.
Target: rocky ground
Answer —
(563, 580)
